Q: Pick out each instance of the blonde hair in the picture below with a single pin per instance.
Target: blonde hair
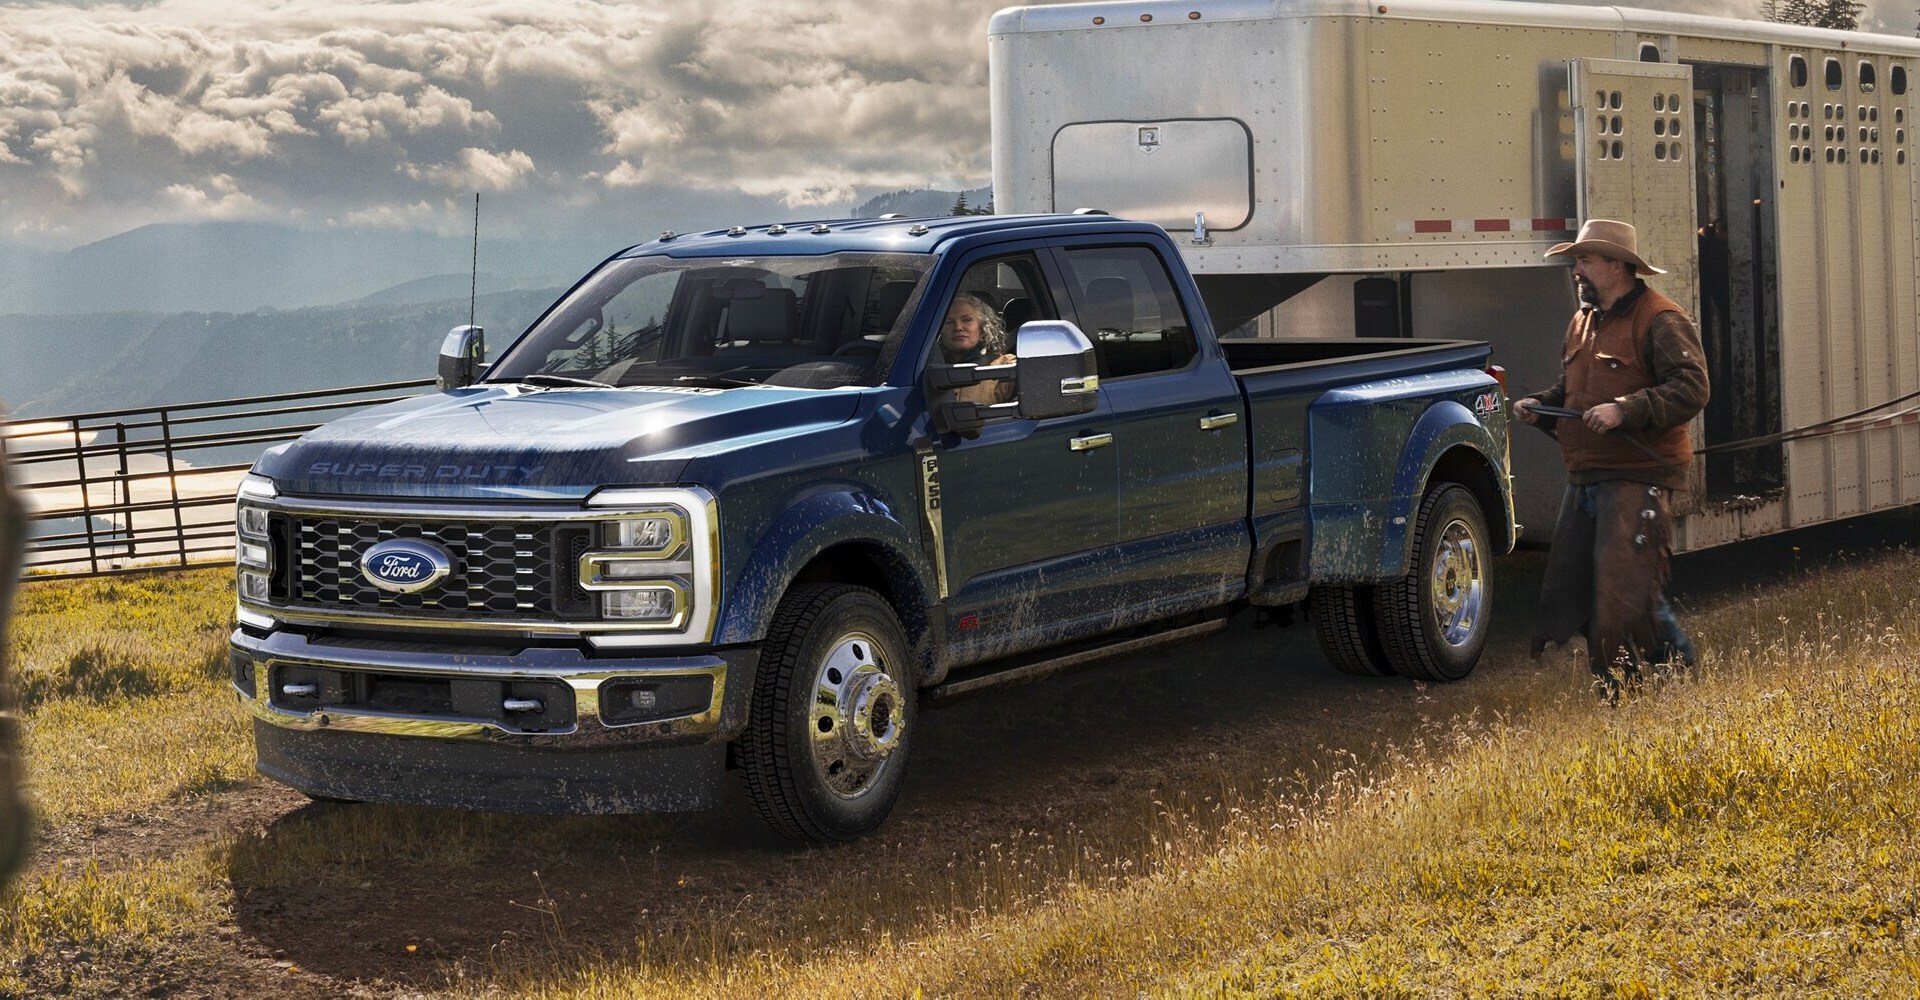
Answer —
(993, 330)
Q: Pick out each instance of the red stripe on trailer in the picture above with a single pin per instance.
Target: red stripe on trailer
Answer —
(1493, 225)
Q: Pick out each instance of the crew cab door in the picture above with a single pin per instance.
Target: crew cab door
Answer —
(1026, 510)
(1179, 431)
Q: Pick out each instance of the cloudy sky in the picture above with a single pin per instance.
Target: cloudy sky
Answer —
(352, 113)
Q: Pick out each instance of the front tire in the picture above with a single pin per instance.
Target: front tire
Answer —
(825, 750)
(1434, 621)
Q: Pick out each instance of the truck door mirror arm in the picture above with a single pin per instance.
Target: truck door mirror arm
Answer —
(1055, 376)
(959, 416)
(460, 357)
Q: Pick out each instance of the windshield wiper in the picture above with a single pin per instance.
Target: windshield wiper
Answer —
(560, 380)
(712, 381)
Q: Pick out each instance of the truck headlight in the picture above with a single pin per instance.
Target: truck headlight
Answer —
(662, 601)
(651, 565)
(252, 545)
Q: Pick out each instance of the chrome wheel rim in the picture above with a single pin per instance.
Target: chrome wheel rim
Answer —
(857, 718)
(1457, 587)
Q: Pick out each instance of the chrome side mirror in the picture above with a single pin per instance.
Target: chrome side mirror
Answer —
(1057, 375)
(460, 357)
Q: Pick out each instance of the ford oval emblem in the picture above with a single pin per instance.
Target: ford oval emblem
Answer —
(405, 565)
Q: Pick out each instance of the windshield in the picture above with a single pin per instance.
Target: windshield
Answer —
(816, 322)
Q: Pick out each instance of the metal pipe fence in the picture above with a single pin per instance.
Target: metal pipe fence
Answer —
(152, 487)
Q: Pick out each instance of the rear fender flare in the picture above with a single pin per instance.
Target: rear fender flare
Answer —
(1446, 425)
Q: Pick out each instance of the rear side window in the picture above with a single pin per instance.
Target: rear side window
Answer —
(1124, 301)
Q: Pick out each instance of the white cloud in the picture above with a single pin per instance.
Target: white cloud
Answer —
(377, 112)
(352, 109)
(219, 197)
(479, 170)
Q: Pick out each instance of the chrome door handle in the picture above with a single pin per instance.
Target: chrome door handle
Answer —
(1090, 442)
(1215, 421)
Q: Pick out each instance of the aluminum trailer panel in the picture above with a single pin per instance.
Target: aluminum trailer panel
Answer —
(1427, 153)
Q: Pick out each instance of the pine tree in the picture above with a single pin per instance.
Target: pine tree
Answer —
(960, 205)
(1843, 15)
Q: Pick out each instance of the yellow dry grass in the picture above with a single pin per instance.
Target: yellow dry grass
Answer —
(123, 692)
(1749, 831)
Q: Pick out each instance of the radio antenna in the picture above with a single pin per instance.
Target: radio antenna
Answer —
(473, 288)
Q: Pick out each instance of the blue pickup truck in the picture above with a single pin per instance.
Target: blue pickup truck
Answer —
(750, 498)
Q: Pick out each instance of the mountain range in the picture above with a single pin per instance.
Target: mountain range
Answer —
(183, 313)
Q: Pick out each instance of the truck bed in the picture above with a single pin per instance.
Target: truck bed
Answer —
(1387, 356)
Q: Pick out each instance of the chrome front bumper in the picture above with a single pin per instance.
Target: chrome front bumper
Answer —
(545, 697)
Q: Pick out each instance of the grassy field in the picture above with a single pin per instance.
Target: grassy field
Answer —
(1747, 831)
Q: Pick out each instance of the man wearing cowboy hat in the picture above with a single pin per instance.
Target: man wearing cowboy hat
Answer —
(1633, 371)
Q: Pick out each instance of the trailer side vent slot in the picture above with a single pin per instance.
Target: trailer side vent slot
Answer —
(1797, 70)
(1835, 78)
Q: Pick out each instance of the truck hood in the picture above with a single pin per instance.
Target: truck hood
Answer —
(521, 442)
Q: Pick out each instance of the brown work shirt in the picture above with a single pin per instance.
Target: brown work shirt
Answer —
(1644, 354)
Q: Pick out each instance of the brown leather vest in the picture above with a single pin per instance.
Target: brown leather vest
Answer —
(1605, 357)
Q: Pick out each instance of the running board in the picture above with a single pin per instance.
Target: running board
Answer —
(942, 693)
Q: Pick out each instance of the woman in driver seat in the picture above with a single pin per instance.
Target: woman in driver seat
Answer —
(974, 334)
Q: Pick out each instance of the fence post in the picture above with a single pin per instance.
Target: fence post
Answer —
(86, 495)
(173, 488)
(124, 489)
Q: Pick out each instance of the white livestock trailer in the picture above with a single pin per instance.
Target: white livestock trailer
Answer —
(1339, 168)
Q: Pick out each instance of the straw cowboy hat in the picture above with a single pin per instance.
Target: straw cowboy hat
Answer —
(1608, 239)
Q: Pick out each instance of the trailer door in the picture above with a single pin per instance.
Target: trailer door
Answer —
(1633, 123)
(1633, 126)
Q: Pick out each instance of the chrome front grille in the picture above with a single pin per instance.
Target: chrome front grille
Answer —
(507, 570)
